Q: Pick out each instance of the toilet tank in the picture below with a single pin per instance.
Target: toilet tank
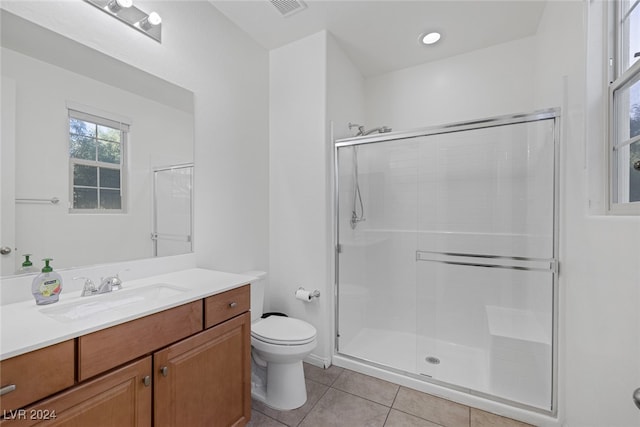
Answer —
(257, 293)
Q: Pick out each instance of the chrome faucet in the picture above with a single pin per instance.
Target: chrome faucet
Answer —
(107, 284)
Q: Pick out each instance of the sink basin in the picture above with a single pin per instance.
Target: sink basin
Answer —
(108, 304)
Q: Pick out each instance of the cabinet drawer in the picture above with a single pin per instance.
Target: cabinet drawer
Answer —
(119, 398)
(111, 347)
(36, 375)
(218, 308)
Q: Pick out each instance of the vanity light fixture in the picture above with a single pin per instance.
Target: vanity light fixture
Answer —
(124, 10)
(429, 38)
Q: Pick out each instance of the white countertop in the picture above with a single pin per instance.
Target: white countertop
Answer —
(25, 326)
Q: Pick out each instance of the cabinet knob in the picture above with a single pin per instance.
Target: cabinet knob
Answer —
(233, 304)
(146, 380)
(164, 371)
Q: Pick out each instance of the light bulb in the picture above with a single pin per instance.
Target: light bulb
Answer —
(116, 5)
(150, 21)
(154, 19)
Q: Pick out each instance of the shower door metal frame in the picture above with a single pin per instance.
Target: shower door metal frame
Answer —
(553, 263)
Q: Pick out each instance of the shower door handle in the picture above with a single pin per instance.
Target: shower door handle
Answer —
(636, 397)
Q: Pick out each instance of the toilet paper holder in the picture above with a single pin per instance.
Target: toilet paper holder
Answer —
(312, 295)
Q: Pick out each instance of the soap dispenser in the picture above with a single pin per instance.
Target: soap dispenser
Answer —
(46, 286)
(27, 266)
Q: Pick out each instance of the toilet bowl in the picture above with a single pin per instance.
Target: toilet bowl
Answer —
(278, 346)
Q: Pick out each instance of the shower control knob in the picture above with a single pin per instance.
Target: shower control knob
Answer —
(636, 397)
(5, 250)
(636, 165)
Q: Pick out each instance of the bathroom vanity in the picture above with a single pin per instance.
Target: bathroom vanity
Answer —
(180, 359)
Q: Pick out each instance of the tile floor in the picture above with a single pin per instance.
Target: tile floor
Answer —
(338, 397)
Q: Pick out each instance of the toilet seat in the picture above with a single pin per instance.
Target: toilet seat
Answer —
(281, 330)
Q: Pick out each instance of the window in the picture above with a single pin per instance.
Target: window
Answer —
(96, 153)
(624, 105)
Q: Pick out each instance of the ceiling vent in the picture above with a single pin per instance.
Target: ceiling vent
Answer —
(288, 7)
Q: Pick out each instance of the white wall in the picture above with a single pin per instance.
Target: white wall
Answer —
(600, 271)
(298, 182)
(313, 87)
(484, 83)
(228, 73)
(345, 93)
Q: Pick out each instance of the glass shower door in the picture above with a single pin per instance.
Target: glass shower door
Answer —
(377, 240)
(485, 261)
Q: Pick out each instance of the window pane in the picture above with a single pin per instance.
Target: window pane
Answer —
(627, 109)
(85, 175)
(634, 110)
(109, 178)
(85, 198)
(108, 134)
(110, 199)
(82, 147)
(80, 127)
(631, 34)
(109, 152)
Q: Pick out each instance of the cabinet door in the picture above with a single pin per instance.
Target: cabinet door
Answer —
(205, 380)
(120, 398)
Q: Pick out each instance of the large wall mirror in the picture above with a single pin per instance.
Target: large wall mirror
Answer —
(96, 155)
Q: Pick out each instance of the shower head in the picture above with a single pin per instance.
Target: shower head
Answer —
(382, 129)
(362, 131)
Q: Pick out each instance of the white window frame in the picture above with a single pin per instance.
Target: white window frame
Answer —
(114, 123)
(619, 79)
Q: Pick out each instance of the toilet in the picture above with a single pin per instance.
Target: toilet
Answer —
(278, 346)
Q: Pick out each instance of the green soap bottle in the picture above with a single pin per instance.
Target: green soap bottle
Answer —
(46, 286)
(27, 265)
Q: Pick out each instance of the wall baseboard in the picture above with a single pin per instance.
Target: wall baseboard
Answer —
(320, 362)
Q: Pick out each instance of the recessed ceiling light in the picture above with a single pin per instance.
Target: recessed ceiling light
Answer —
(429, 38)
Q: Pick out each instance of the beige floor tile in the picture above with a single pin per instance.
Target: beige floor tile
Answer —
(431, 408)
(371, 388)
(339, 409)
(259, 419)
(485, 419)
(292, 418)
(400, 419)
(322, 376)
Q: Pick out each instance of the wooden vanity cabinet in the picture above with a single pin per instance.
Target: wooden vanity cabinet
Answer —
(120, 398)
(186, 366)
(205, 380)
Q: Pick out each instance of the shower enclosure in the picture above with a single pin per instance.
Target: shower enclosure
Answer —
(450, 273)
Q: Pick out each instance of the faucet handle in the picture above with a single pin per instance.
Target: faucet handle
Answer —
(116, 281)
(89, 287)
